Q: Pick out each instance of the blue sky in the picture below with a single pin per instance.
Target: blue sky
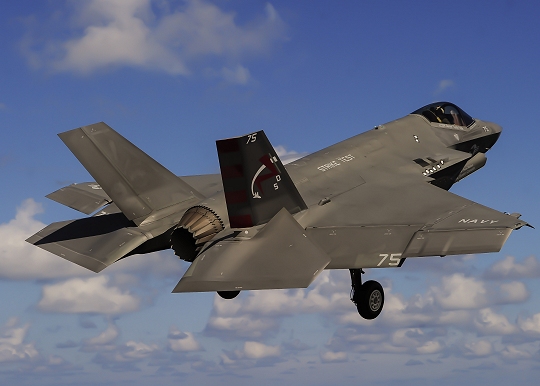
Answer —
(175, 76)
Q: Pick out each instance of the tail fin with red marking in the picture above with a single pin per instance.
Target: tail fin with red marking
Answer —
(255, 182)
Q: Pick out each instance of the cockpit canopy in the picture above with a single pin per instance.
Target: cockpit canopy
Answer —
(444, 112)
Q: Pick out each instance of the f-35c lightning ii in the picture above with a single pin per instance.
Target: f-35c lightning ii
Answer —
(371, 201)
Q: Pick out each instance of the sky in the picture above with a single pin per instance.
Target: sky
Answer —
(173, 77)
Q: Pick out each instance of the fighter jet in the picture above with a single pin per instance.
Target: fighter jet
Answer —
(371, 201)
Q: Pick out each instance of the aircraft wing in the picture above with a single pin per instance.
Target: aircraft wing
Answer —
(280, 255)
(403, 218)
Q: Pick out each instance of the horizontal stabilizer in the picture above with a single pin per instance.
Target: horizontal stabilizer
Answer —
(85, 197)
(255, 182)
(93, 243)
(279, 256)
(136, 183)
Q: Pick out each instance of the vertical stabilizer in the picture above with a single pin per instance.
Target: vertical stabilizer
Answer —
(255, 182)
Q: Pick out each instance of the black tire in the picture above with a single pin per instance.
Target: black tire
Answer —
(228, 294)
(370, 300)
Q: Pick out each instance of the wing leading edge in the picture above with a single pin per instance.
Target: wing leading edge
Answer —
(410, 220)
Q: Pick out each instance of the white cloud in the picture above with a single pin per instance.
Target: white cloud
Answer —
(256, 313)
(444, 85)
(514, 292)
(490, 323)
(182, 341)
(106, 337)
(287, 156)
(237, 75)
(460, 292)
(245, 326)
(514, 353)
(334, 357)
(119, 356)
(256, 350)
(430, 347)
(530, 325)
(510, 269)
(12, 345)
(479, 348)
(91, 295)
(129, 33)
(138, 350)
(23, 261)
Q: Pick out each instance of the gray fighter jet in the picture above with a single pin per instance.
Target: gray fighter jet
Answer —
(371, 201)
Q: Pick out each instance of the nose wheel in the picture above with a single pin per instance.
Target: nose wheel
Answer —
(368, 297)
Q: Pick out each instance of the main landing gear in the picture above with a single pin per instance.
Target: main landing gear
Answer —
(228, 294)
(368, 297)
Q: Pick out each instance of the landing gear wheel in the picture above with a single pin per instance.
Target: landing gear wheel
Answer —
(369, 299)
(228, 294)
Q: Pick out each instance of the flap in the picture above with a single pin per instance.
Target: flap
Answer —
(280, 256)
(85, 197)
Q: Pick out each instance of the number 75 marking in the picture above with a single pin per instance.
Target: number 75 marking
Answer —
(395, 258)
(251, 138)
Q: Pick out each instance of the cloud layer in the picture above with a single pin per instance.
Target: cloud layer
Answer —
(149, 35)
(92, 295)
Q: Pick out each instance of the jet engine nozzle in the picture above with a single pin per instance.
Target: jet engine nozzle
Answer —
(198, 225)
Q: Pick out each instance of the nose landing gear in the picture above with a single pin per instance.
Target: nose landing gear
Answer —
(368, 297)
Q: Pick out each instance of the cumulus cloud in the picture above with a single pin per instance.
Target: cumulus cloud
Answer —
(92, 295)
(460, 292)
(508, 268)
(480, 348)
(287, 156)
(130, 33)
(256, 314)
(256, 350)
(251, 354)
(182, 341)
(515, 353)
(104, 338)
(488, 322)
(530, 325)
(333, 357)
(16, 352)
(12, 342)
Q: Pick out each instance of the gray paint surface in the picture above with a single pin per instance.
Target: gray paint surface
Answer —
(369, 201)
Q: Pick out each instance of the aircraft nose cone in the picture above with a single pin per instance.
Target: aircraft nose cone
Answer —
(493, 132)
(496, 128)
